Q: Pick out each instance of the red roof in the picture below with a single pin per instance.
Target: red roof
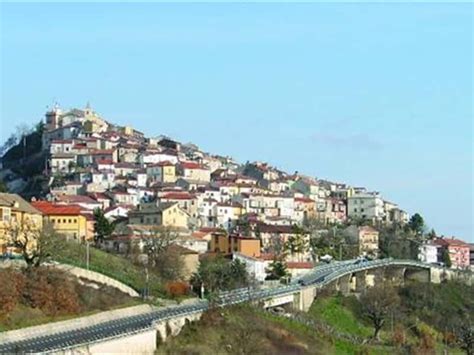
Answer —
(192, 165)
(304, 199)
(102, 151)
(76, 199)
(161, 163)
(451, 242)
(270, 228)
(104, 161)
(178, 196)
(99, 196)
(50, 208)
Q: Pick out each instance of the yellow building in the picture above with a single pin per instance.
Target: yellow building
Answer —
(228, 244)
(366, 238)
(164, 172)
(166, 214)
(66, 220)
(15, 211)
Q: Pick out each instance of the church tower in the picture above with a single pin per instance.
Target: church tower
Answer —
(53, 120)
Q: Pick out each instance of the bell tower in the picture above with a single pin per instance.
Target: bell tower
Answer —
(52, 118)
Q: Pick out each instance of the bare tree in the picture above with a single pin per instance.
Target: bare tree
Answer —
(377, 303)
(36, 244)
(163, 255)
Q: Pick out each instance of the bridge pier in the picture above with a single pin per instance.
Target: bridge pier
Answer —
(361, 281)
(395, 275)
(172, 327)
(344, 284)
(304, 299)
(422, 275)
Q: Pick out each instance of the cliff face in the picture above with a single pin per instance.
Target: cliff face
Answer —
(23, 165)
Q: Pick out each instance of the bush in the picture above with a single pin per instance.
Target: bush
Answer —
(177, 288)
(399, 336)
(10, 293)
(52, 291)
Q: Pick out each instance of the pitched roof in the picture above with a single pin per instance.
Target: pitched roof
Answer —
(270, 228)
(304, 200)
(161, 163)
(178, 196)
(192, 165)
(76, 199)
(10, 200)
(49, 208)
(451, 242)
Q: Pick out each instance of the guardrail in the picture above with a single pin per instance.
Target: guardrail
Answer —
(136, 324)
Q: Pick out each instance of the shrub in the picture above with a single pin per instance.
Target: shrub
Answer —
(399, 336)
(10, 293)
(177, 288)
(52, 291)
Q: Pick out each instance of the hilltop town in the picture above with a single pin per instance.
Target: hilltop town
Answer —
(77, 168)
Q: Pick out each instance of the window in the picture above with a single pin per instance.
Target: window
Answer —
(362, 210)
(355, 209)
(5, 214)
(69, 221)
(75, 220)
(64, 220)
(59, 220)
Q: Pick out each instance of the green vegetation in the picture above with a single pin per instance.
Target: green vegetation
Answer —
(102, 227)
(335, 312)
(111, 265)
(426, 319)
(245, 330)
(218, 274)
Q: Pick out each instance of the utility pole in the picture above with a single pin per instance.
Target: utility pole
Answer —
(87, 255)
(146, 282)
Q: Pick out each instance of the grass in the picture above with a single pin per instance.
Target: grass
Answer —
(245, 330)
(114, 266)
(332, 311)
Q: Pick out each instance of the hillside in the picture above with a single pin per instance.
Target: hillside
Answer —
(43, 295)
(335, 325)
(114, 266)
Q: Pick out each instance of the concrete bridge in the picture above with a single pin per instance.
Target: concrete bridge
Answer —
(141, 333)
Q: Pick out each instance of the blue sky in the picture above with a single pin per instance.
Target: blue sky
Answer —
(375, 95)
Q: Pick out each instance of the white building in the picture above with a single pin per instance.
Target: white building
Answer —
(194, 172)
(367, 205)
(428, 253)
(155, 158)
(255, 267)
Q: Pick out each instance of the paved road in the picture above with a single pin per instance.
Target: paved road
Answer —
(319, 276)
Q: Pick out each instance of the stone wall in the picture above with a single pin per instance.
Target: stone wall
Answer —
(98, 278)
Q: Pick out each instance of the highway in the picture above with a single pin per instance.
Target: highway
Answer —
(319, 276)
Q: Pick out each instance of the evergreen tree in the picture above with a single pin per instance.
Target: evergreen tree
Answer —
(445, 258)
(417, 224)
(277, 270)
(103, 228)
